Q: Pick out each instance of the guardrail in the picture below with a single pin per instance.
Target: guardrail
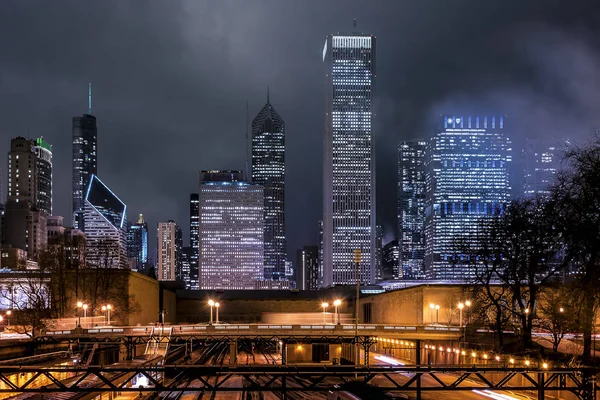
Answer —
(344, 330)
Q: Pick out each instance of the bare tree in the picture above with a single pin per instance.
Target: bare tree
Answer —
(27, 294)
(558, 312)
(576, 203)
(516, 252)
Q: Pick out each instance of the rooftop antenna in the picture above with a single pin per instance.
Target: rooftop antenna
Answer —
(247, 166)
(268, 95)
(90, 98)
(354, 22)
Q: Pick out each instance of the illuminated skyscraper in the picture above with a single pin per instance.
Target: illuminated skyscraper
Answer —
(104, 218)
(43, 152)
(170, 243)
(542, 162)
(349, 163)
(411, 209)
(231, 231)
(468, 178)
(194, 247)
(24, 223)
(268, 170)
(307, 268)
(137, 243)
(84, 163)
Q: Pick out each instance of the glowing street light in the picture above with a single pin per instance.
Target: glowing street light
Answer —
(337, 303)
(8, 314)
(107, 309)
(211, 304)
(79, 305)
(217, 307)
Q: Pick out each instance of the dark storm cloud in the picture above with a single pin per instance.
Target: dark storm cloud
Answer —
(171, 79)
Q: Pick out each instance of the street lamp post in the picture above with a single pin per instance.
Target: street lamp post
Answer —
(437, 313)
(324, 305)
(79, 305)
(8, 314)
(337, 314)
(211, 304)
(217, 307)
(104, 313)
(85, 307)
(108, 308)
(460, 308)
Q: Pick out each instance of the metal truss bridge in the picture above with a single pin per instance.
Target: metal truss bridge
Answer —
(580, 382)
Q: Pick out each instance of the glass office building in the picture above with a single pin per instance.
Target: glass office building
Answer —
(542, 162)
(231, 231)
(84, 163)
(411, 209)
(467, 182)
(349, 163)
(169, 245)
(137, 243)
(268, 170)
(43, 152)
(104, 218)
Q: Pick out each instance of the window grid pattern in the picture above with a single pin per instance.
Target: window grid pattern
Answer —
(349, 181)
(84, 163)
(411, 209)
(231, 235)
(268, 170)
(467, 182)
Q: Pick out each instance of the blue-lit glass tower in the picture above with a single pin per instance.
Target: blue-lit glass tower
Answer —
(349, 162)
(137, 243)
(268, 170)
(105, 217)
(468, 180)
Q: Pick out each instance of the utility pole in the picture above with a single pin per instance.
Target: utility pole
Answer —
(357, 257)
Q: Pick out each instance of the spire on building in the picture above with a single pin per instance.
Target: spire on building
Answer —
(141, 219)
(90, 98)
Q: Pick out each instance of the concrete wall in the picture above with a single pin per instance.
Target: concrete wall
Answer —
(248, 311)
(411, 306)
(143, 293)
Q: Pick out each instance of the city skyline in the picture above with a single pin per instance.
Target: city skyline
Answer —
(137, 123)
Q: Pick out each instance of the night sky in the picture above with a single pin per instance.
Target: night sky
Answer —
(171, 79)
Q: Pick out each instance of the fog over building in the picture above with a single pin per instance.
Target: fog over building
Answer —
(468, 181)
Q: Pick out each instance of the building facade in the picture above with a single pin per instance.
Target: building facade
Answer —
(391, 261)
(194, 239)
(542, 162)
(231, 231)
(24, 223)
(349, 162)
(411, 209)
(85, 166)
(43, 152)
(137, 243)
(170, 243)
(307, 266)
(268, 170)
(468, 181)
(104, 218)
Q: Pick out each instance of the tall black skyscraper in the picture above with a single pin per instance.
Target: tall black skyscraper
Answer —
(411, 209)
(85, 141)
(43, 153)
(194, 247)
(268, 170)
